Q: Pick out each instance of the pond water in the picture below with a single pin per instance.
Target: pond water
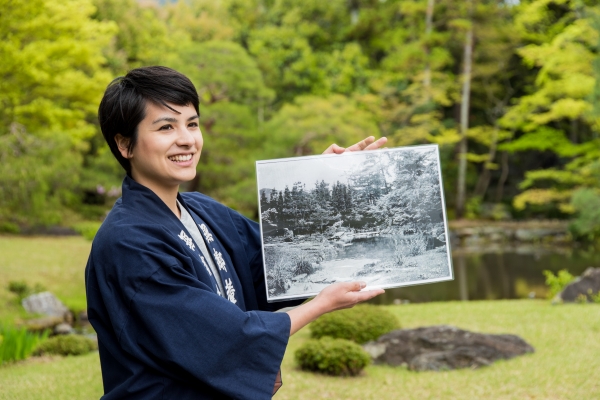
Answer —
(486, 273)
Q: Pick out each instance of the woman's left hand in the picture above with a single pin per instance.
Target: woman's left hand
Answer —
(366, 144)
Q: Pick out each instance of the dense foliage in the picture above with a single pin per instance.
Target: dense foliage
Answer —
(510, 90)
(359, 324)
(338, 357)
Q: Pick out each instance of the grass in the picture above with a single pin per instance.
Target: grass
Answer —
(52, 378)
(56, 263)
(565, 365)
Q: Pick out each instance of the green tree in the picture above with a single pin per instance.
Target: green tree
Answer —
(311, 124)
(53, 76)
(556, 116)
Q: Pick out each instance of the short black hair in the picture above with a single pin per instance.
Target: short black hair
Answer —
(123, 105)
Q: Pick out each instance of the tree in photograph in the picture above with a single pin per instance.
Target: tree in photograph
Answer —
(264, 202)
(340, 198)
(412, 203)
(369, 183)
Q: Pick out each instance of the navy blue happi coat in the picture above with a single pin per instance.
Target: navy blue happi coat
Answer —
(163, 330)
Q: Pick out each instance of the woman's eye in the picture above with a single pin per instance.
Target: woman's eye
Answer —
(165, 127)
(193, 125)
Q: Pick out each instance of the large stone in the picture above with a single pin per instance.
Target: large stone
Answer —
(444, 347)
(44, 303)
(586, 285)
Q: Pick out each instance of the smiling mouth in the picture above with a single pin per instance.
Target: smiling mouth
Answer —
(180, 157)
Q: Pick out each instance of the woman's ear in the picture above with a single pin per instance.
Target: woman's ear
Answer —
(123, 145)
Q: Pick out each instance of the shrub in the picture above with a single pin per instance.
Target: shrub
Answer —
(359, 324)
(303, 266)
(339, 357)
(556, 283)
(408, 246)
(66, 345)
(18, 344)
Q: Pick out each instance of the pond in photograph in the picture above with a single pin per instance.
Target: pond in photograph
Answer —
(504, 273)
(381, 261)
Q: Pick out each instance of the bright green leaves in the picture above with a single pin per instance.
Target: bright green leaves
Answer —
(311, 124)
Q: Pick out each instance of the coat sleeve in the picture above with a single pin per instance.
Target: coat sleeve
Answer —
(178, 327)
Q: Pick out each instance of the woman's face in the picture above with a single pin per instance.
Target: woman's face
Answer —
(168, 147)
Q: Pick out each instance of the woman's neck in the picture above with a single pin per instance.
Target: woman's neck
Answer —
(168, 194)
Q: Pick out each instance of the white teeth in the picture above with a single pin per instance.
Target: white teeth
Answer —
(179, 158)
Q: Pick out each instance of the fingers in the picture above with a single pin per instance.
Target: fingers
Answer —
(363, 144)
(369, 294)
(377, 144)
(366, 144)
(334, 149)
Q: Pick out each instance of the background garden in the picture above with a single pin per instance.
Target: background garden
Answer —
(510, 90)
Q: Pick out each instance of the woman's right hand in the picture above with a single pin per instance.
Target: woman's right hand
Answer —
(334, 297)
(345, 295)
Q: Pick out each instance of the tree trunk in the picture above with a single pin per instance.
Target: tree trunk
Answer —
(503, 177)
(428, 30)
(464, 118)
(484, 178)
(574, 130)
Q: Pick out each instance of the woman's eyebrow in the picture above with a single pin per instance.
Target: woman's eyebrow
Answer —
(173, 120)
(168, 119)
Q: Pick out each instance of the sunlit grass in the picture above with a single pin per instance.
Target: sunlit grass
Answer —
(52, 378)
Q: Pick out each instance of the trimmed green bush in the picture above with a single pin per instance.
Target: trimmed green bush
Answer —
(67, 345)
(17, 343)
(360, 324)
(338, 357)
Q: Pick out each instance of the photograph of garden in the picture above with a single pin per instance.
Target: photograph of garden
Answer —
(375, 217)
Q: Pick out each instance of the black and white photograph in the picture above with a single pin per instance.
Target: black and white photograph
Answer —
(377, 217)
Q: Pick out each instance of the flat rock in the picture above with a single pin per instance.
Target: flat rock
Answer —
(444, 347)
(587, 284)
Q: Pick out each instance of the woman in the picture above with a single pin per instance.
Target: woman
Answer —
(175, 282)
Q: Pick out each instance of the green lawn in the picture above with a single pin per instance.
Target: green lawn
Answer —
(566, 364)
(57, 263)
